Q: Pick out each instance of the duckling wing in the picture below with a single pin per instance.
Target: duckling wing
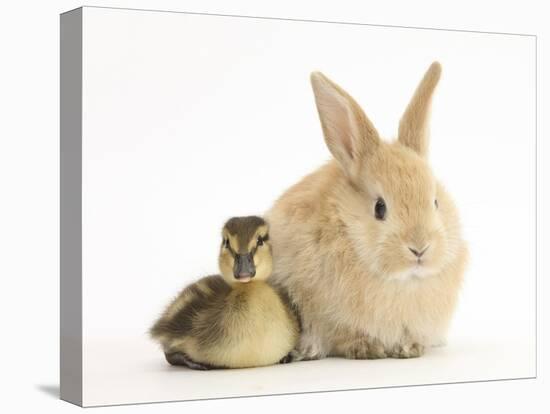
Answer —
(177, 319)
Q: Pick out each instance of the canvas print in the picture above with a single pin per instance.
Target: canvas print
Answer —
(266, 206)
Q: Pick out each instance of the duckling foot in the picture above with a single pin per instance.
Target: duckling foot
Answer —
(181, 359)
(286, 359)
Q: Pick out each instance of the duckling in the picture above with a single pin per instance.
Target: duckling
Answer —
(235, 320)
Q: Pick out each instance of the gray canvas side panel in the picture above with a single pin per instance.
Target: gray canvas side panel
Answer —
(71, 206)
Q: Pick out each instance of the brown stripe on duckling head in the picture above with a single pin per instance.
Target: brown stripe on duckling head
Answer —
(244, 229)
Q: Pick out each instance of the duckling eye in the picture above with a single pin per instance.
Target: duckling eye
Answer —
(260, 241)
(226, 243)
(380, 209)
(436, 204)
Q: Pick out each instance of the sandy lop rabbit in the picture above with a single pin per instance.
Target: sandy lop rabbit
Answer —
(369, 246)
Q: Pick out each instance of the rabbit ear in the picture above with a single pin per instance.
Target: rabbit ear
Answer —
(413, 127)
(349, 134)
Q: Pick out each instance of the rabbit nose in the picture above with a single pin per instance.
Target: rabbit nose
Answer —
(418, 253)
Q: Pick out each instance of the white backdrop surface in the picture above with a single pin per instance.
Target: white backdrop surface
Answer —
(191, 119)
(29, 178)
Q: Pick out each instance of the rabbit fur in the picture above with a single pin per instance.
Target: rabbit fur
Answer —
(361, 291)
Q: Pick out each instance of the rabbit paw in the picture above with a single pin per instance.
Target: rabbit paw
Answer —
(413, 350)
(308, 353)
(365, 349)
(308, 349)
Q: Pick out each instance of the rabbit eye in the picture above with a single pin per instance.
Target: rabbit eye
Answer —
(436, 203)
(380, 209)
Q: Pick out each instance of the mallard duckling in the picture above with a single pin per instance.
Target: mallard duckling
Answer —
(235, 320)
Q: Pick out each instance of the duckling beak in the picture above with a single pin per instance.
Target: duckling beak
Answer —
(244, 268)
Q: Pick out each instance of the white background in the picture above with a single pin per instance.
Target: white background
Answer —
(33, 265)
(188, 120)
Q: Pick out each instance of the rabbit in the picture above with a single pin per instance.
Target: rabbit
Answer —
(369, 246)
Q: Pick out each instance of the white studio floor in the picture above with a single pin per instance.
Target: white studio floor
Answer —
(135, 372)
